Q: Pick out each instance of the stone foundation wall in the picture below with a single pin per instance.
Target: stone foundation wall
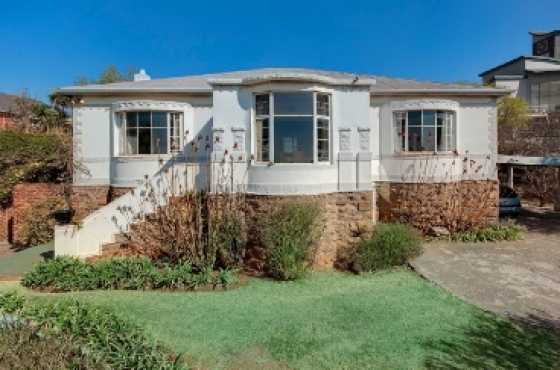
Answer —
(455, 206)
(24, 197)
(346, 217)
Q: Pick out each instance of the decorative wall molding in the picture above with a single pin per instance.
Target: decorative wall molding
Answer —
(149, 104)
(364, 139)
(344, 139)
(444, 104)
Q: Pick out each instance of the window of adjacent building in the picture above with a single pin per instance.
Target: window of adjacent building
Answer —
(297, 124)
(150, 132)
(424, 131)
(545, 95)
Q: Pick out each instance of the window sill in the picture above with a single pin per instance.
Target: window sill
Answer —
(315, 164)
(426, 155)
(154, 157)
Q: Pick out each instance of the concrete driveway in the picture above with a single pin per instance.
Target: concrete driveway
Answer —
(520, 279)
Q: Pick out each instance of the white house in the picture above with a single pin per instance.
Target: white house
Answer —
(284, 132)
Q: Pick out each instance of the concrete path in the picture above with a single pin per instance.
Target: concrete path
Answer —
(520, 279)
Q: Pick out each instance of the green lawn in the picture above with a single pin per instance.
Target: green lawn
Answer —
(23, 261)
(392, 320)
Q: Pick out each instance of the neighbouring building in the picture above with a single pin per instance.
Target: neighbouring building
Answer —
(7, 106)
(368, 148)
(535, 78)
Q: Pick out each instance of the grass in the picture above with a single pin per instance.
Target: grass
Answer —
(330, 321)
(23, 261)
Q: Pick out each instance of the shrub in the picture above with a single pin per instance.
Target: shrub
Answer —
(38, 222)
(96, 334)
(390, 245)
(288, 234)
(34, 158)
(23, 347)
(509, 231)
(63, 274)
(204, 229)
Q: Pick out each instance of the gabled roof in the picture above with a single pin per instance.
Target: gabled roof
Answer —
(554, 61)
(204, 83)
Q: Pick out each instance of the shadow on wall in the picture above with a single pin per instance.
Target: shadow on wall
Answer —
(490, 343)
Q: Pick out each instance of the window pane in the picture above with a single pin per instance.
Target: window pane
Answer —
(323, 108)
(414, 139)
(263, 147)
(159, 141)
(262, 104)
(159, 119)
(293, 103)
(428, 139)
(144, 141)
(441, 131)
(131, 119)
(414, 118)
(451, 132)
(400, 130)
(429, 118)
(175, 144)
(322, 140)
(144, 119)
(131, 141)
(293, 139)
(175, 125)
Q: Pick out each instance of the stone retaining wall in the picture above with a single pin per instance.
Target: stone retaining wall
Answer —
(455, 206)
(346, 217)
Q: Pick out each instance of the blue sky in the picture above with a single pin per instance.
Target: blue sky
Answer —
(47, 44)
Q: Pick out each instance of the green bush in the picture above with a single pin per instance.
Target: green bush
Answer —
(38, 222)
(23, 347)
(98, 336)
(63, 274)
(33, 158)
(390, 245)
(288, 234)
(509, 231)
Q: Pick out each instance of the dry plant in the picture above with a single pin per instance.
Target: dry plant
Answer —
(203, 227)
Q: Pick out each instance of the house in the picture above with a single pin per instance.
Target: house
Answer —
(535, 78)
(368, 148)
(7, 105)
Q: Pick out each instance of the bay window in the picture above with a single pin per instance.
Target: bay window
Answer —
(425, 131)
(150, 132)
(292, 127)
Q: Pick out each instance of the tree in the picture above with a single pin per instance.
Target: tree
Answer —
(111, 74)
(513, 111)
(518, 134)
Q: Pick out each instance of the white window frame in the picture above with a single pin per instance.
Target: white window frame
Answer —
(120, 119)
(271, 118)
(448, 136)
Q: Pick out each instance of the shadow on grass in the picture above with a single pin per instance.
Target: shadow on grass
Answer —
(490, 343)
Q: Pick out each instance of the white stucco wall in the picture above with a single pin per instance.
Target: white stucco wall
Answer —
(476, 142)
(362, 140)
(96, 137)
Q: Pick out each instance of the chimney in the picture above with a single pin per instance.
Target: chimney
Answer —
(141, 76)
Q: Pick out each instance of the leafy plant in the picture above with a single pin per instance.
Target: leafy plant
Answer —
(288, 234)
(22, 346)
(509, 231)
(68, 274)
(34, 157)
(38, 222)
(97, 334)
(390, 245)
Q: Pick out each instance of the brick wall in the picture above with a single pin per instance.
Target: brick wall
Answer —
(346, 216)
(456, 206)
(5, 120)
(24, 197)
(85, 199)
